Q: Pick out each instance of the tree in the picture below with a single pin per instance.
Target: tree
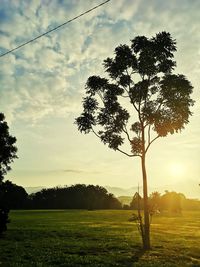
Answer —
(8, 149)
(13, 196)
(172, 201)
(8, 152)
(134, 203)
(155, 202)
(139, 93)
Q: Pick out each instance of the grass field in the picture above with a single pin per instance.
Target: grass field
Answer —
(98, 239)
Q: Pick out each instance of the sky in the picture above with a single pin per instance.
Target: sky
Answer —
(42, 85)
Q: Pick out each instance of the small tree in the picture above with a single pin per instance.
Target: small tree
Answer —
(137, 199)
(140, 80)
(8, 152)
(155, 202)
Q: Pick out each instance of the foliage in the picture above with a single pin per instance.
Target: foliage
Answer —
(172, 202)
(155, 202)
(142, 75)
(13, 196)
(89, 197)
(8, 152)
(8, 149)
(77, 196)
(134, 202)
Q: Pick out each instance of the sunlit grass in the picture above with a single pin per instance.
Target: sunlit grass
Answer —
(98, 238)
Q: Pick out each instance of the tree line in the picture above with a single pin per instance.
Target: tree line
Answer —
(172, 202)
(90, 197)
(79, 196)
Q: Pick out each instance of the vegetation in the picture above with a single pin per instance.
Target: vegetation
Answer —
(98, 239)
(8, 152)
(77, 196)
(139, 80)
(170, 201)
(13, 196)
(90, 197)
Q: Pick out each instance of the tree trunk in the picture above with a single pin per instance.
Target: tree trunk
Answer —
(146, 238)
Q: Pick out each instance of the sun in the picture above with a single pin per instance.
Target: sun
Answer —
(176, 169)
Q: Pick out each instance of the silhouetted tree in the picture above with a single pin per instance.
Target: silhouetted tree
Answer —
(13, 196)
(8, 149)
(140, 80)
(134, 202)
(8, 152)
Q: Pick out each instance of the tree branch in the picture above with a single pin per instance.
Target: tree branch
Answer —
(127, 73)
(125, 96)
(151, 143)
(96, 133)
(149, 134)
(129, 155)
(118, 149)
(128, 92)
(160, 105)
(127, 134)
(136, 108)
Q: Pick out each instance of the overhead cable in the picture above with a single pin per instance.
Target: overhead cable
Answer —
(54, 29)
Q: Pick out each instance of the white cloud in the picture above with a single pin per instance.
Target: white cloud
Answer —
(122, 10)
(47, 77)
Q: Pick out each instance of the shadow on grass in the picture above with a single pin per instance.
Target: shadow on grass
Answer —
(137, 254)
(133, 257)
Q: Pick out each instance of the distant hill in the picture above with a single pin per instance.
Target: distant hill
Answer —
(118, 191)
(33, 189)
(189, 188)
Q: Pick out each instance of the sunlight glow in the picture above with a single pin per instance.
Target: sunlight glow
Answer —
(176, 169)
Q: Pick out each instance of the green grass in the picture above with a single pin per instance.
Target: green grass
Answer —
(98, 239)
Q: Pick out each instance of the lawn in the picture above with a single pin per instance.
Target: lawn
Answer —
(98, 239)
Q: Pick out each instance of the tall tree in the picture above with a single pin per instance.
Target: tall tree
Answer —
(8, 150)
(140, 100)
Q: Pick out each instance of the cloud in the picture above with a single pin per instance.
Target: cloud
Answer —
(44, 74)
(57, 171)
(73, 171)
(47, 77)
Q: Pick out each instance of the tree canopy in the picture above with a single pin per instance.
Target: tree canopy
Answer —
(77, 196)
(8, 150)
(13, 196)
(141, 74)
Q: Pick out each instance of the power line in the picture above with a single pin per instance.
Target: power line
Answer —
(54, 29)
